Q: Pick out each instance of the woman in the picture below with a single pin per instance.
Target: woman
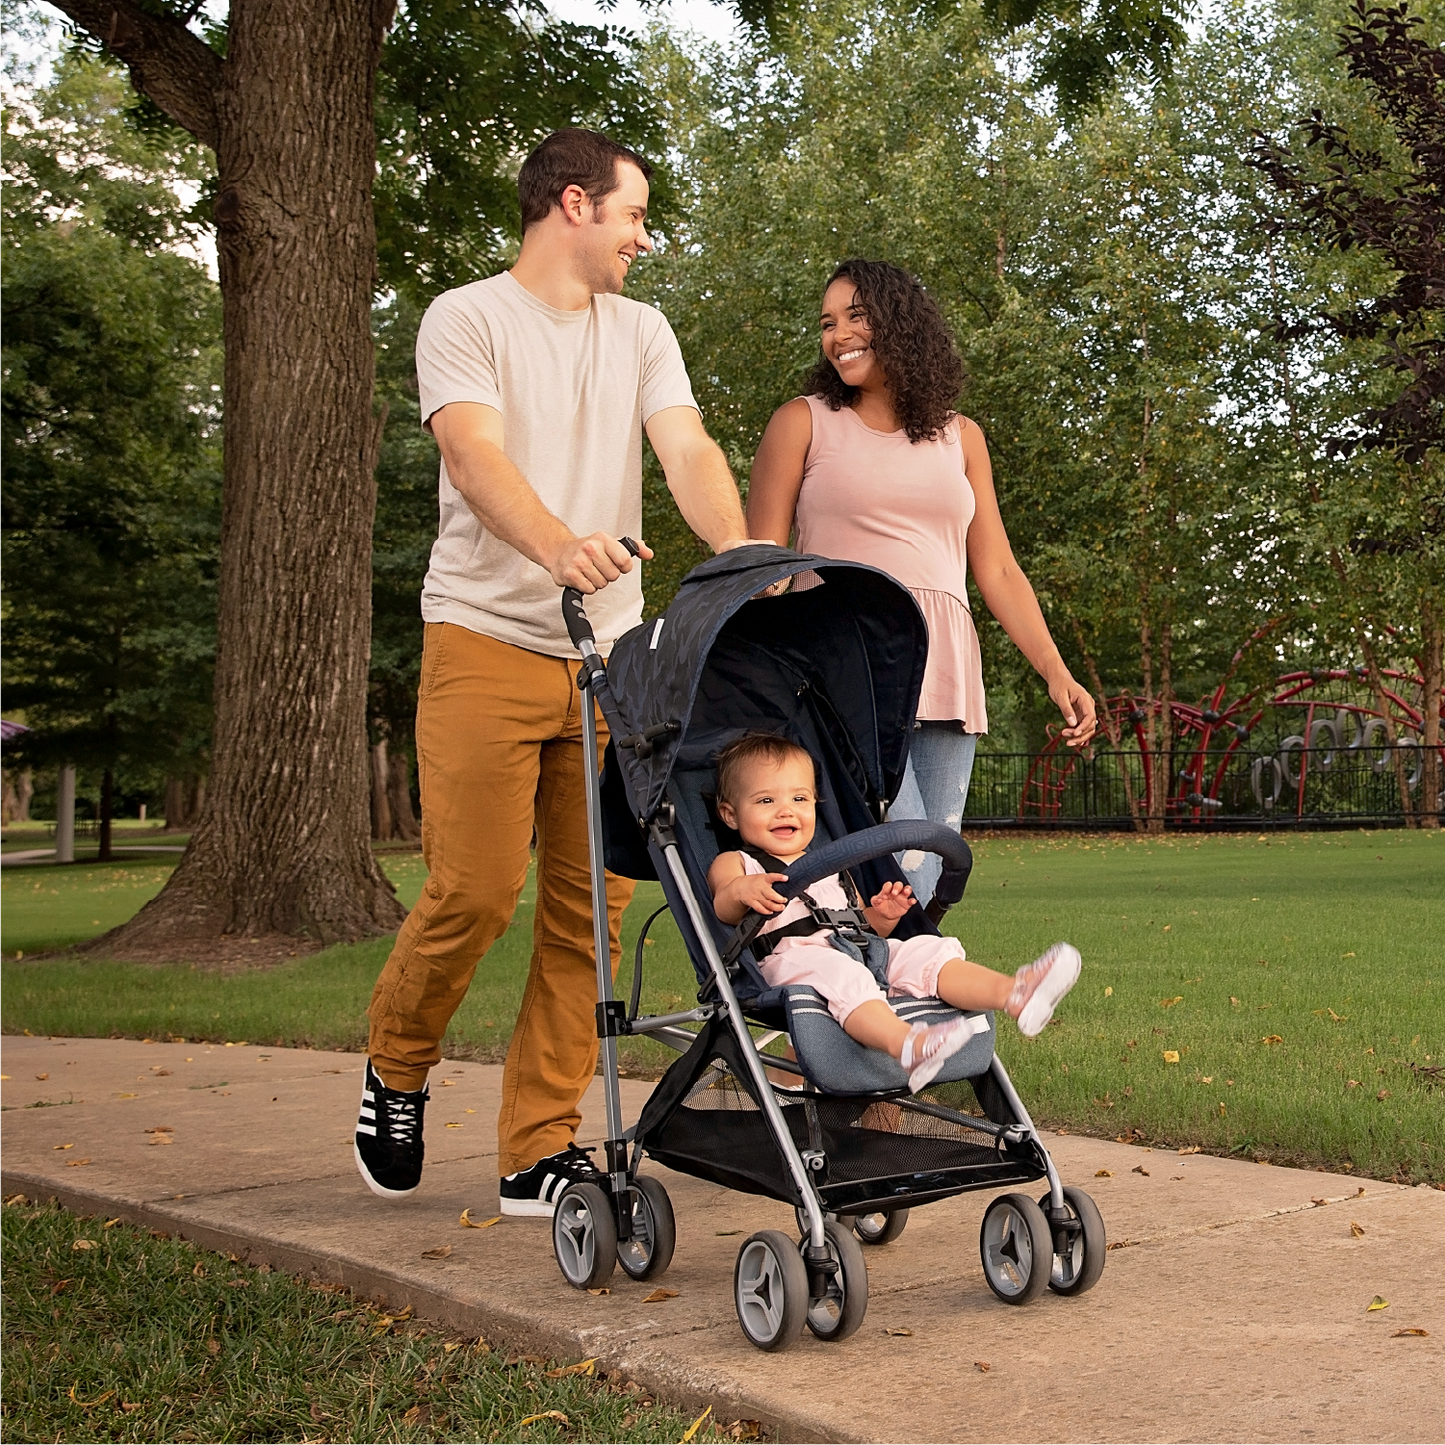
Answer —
(873, 465)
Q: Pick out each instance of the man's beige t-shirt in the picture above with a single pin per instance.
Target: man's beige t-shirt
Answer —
(574, 389)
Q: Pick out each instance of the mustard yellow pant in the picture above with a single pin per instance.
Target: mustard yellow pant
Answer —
(499, 753)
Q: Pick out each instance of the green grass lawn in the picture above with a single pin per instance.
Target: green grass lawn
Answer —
(114, 1333)
(1298, 978)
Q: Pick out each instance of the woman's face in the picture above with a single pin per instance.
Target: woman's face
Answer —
(847, 336)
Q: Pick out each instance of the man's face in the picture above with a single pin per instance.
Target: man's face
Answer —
(617, 234)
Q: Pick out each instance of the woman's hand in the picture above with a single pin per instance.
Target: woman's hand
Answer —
(1077, 706)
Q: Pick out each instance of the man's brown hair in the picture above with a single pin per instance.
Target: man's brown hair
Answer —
(571, 157)
(733, 760)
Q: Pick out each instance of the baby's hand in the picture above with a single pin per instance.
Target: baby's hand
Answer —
(756, 891)
(893, 900)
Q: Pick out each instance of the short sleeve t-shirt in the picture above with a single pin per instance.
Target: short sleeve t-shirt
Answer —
(574, 389)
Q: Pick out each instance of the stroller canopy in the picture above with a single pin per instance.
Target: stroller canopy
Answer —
(857, 640)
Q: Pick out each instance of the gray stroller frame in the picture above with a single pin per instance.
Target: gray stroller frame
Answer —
(851, 1149)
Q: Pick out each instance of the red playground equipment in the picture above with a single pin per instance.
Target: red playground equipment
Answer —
(1309, 722)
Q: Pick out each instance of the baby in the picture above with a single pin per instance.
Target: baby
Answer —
(767, 792)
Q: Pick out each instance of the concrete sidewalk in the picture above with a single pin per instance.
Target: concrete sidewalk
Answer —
(1233, 1306)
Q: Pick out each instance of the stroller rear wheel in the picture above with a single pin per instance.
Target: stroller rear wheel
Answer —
(770, 1289)
(654, 1230)
(584, 1236)
(1079, 1268)
(841, 1309)
(881, 1227)
(1017, 1249)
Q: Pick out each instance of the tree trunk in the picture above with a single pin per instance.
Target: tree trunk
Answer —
(107, 812)
(383, 829)
(1432, 673)
(282, 845)
(403, 819)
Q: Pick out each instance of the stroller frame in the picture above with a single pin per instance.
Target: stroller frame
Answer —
(1060, 1239)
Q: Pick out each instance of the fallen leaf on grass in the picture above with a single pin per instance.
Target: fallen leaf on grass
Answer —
(1383, 1094)
(1338, 1018)
(743, 1429)
(982, 1366)
(1103, 1174)
(89, 1404)
(1378, 1303)
(111, 1223)
(902, 1330)
(467, 1222)
(442, 1251)
(545, 1415)
(1140, 1169)
(1418, 1333)
(658, 1295)
(1109, 992)
(691, 1432)
(1356, 1230)
(1271, 1039)
(1191, 1148)
(583, 1367)
(1171, 1056)
(1170, 1002)
(1234, 1002)
(417, 1415)
(84, 1244)
(604, 1290)
(450, 1346)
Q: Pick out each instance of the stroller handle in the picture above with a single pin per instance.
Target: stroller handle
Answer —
(887, 838)
(579, 629)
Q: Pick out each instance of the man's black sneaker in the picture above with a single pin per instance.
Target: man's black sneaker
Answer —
(533, 1193)
(388, 1144)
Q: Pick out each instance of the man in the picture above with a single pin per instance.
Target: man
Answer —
(537, 385)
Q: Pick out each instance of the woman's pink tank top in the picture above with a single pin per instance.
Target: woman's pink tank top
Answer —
(903, 507)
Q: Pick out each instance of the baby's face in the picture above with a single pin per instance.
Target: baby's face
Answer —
(776, 806)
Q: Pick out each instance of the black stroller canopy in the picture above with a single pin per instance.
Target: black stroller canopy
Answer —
(858, 640)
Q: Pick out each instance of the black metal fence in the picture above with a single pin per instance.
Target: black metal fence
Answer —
(1292, 786)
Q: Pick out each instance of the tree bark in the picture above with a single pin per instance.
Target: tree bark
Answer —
(107, 813)
(282, 844)
(383, 828)
(403, 819)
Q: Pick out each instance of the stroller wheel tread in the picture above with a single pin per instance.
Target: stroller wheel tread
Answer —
(1079, 1270)
(839, 1313)
(770, 1290)
(654, 1230)
(1017, 1249)
(584, 1236)
(881, 1227)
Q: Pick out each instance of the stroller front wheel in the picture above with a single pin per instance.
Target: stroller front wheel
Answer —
(1078, 1268)
(1017, 1249)
(841, 1309)
(770, 1289)
(584, 1236)
(654, 1230)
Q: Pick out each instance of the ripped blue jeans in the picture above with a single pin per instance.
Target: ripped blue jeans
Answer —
(935, 787)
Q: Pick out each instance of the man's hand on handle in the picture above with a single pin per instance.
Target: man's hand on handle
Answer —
(590, 563)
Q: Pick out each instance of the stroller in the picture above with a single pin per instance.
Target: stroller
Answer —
(836, 668)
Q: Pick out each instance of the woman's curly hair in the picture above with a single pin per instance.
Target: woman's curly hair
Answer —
(913, 346)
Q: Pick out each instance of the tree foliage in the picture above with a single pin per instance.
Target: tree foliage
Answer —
(109, 430)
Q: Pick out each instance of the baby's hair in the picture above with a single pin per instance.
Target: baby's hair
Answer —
(734, 758)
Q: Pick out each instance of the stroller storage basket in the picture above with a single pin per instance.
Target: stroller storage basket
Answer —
(866, 1153)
